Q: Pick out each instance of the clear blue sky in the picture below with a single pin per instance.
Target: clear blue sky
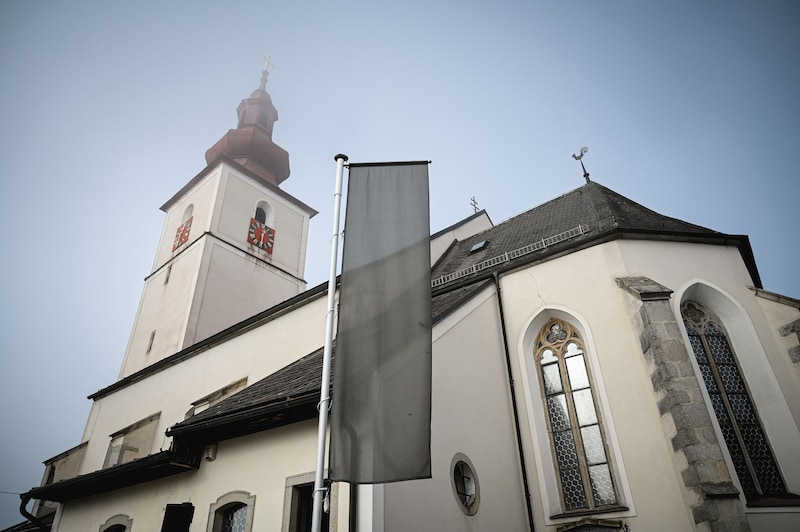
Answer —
(107, 108)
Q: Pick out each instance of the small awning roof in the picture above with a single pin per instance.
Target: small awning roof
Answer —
(153, 467)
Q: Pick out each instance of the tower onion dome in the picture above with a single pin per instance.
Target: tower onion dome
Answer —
(250, 144)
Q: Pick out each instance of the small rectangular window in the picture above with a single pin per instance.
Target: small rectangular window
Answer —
(169, 271)
(479, 246)
(134, 441)
(178, 517)
(215, 397)
(299, 503)
(302, 509)
(150, 343)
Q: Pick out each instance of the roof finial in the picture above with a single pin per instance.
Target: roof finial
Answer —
(580, 158)
(264, 73)
(474, 203)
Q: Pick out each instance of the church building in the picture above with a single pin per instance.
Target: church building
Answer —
(597, 366)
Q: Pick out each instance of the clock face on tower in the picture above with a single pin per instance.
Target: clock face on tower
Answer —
(261, 236)
(182, 234)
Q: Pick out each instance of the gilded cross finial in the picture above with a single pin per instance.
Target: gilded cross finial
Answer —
(265, 73)
(580, 158)
(267, 62)
(474, 203)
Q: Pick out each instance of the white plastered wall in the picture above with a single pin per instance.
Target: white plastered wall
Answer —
(767, 392)
(254, 354)
(471, 415)
(259, 464)
(238, 198)
(581, 287)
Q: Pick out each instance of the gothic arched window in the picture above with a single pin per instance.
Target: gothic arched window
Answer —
(736, 414)
(577, 438)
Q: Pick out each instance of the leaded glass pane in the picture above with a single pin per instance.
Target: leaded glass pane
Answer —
(754, 440)
(566, 452)
(720, 349)
(744, 437)
(593, 445)
(768, 475)
(708, 378)
(234, 519)
(698, 349)
(548, 357)
(731, 380)
(742, 409)
(564, 367)
(576, 368)
(552, 379)
(602, 485)
(557, 408)
(572, 350)
(584, 407)
(556, 333)
(719, 409)
(572, 486)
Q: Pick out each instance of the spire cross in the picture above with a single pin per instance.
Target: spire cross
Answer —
(580, 158)
(265, 73)
(474, 203)
(267, 63)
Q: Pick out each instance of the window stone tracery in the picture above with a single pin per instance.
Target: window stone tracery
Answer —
(584, 470)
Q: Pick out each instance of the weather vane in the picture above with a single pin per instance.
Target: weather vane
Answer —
(580, 158)
(474, 203)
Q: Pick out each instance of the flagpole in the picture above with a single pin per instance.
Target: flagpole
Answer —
(324, 392)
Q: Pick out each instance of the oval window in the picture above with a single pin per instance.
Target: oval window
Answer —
(465, 485)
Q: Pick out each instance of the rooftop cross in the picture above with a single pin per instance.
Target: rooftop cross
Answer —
(474, 203)
(580, 158)
(267, 63)
(265, 73)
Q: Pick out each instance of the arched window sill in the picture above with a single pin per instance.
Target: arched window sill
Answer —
(766, 501)
(579, 513)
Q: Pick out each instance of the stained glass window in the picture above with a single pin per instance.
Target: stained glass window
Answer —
(585, 474)
(738, 420)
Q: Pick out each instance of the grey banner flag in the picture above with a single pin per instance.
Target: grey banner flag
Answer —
(381, 401)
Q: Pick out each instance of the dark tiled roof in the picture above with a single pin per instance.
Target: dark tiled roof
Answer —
(27, 526)
(297, 384)
(605, 213)
(444, 303)
(180, 458)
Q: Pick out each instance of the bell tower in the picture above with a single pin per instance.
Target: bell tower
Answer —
(233, 243)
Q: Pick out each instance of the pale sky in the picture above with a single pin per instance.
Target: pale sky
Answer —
(107, 108)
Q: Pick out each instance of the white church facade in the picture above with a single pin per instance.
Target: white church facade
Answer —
(597, 366)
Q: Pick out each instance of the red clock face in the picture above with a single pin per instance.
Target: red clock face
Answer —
(182, 235)
(261, 236)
